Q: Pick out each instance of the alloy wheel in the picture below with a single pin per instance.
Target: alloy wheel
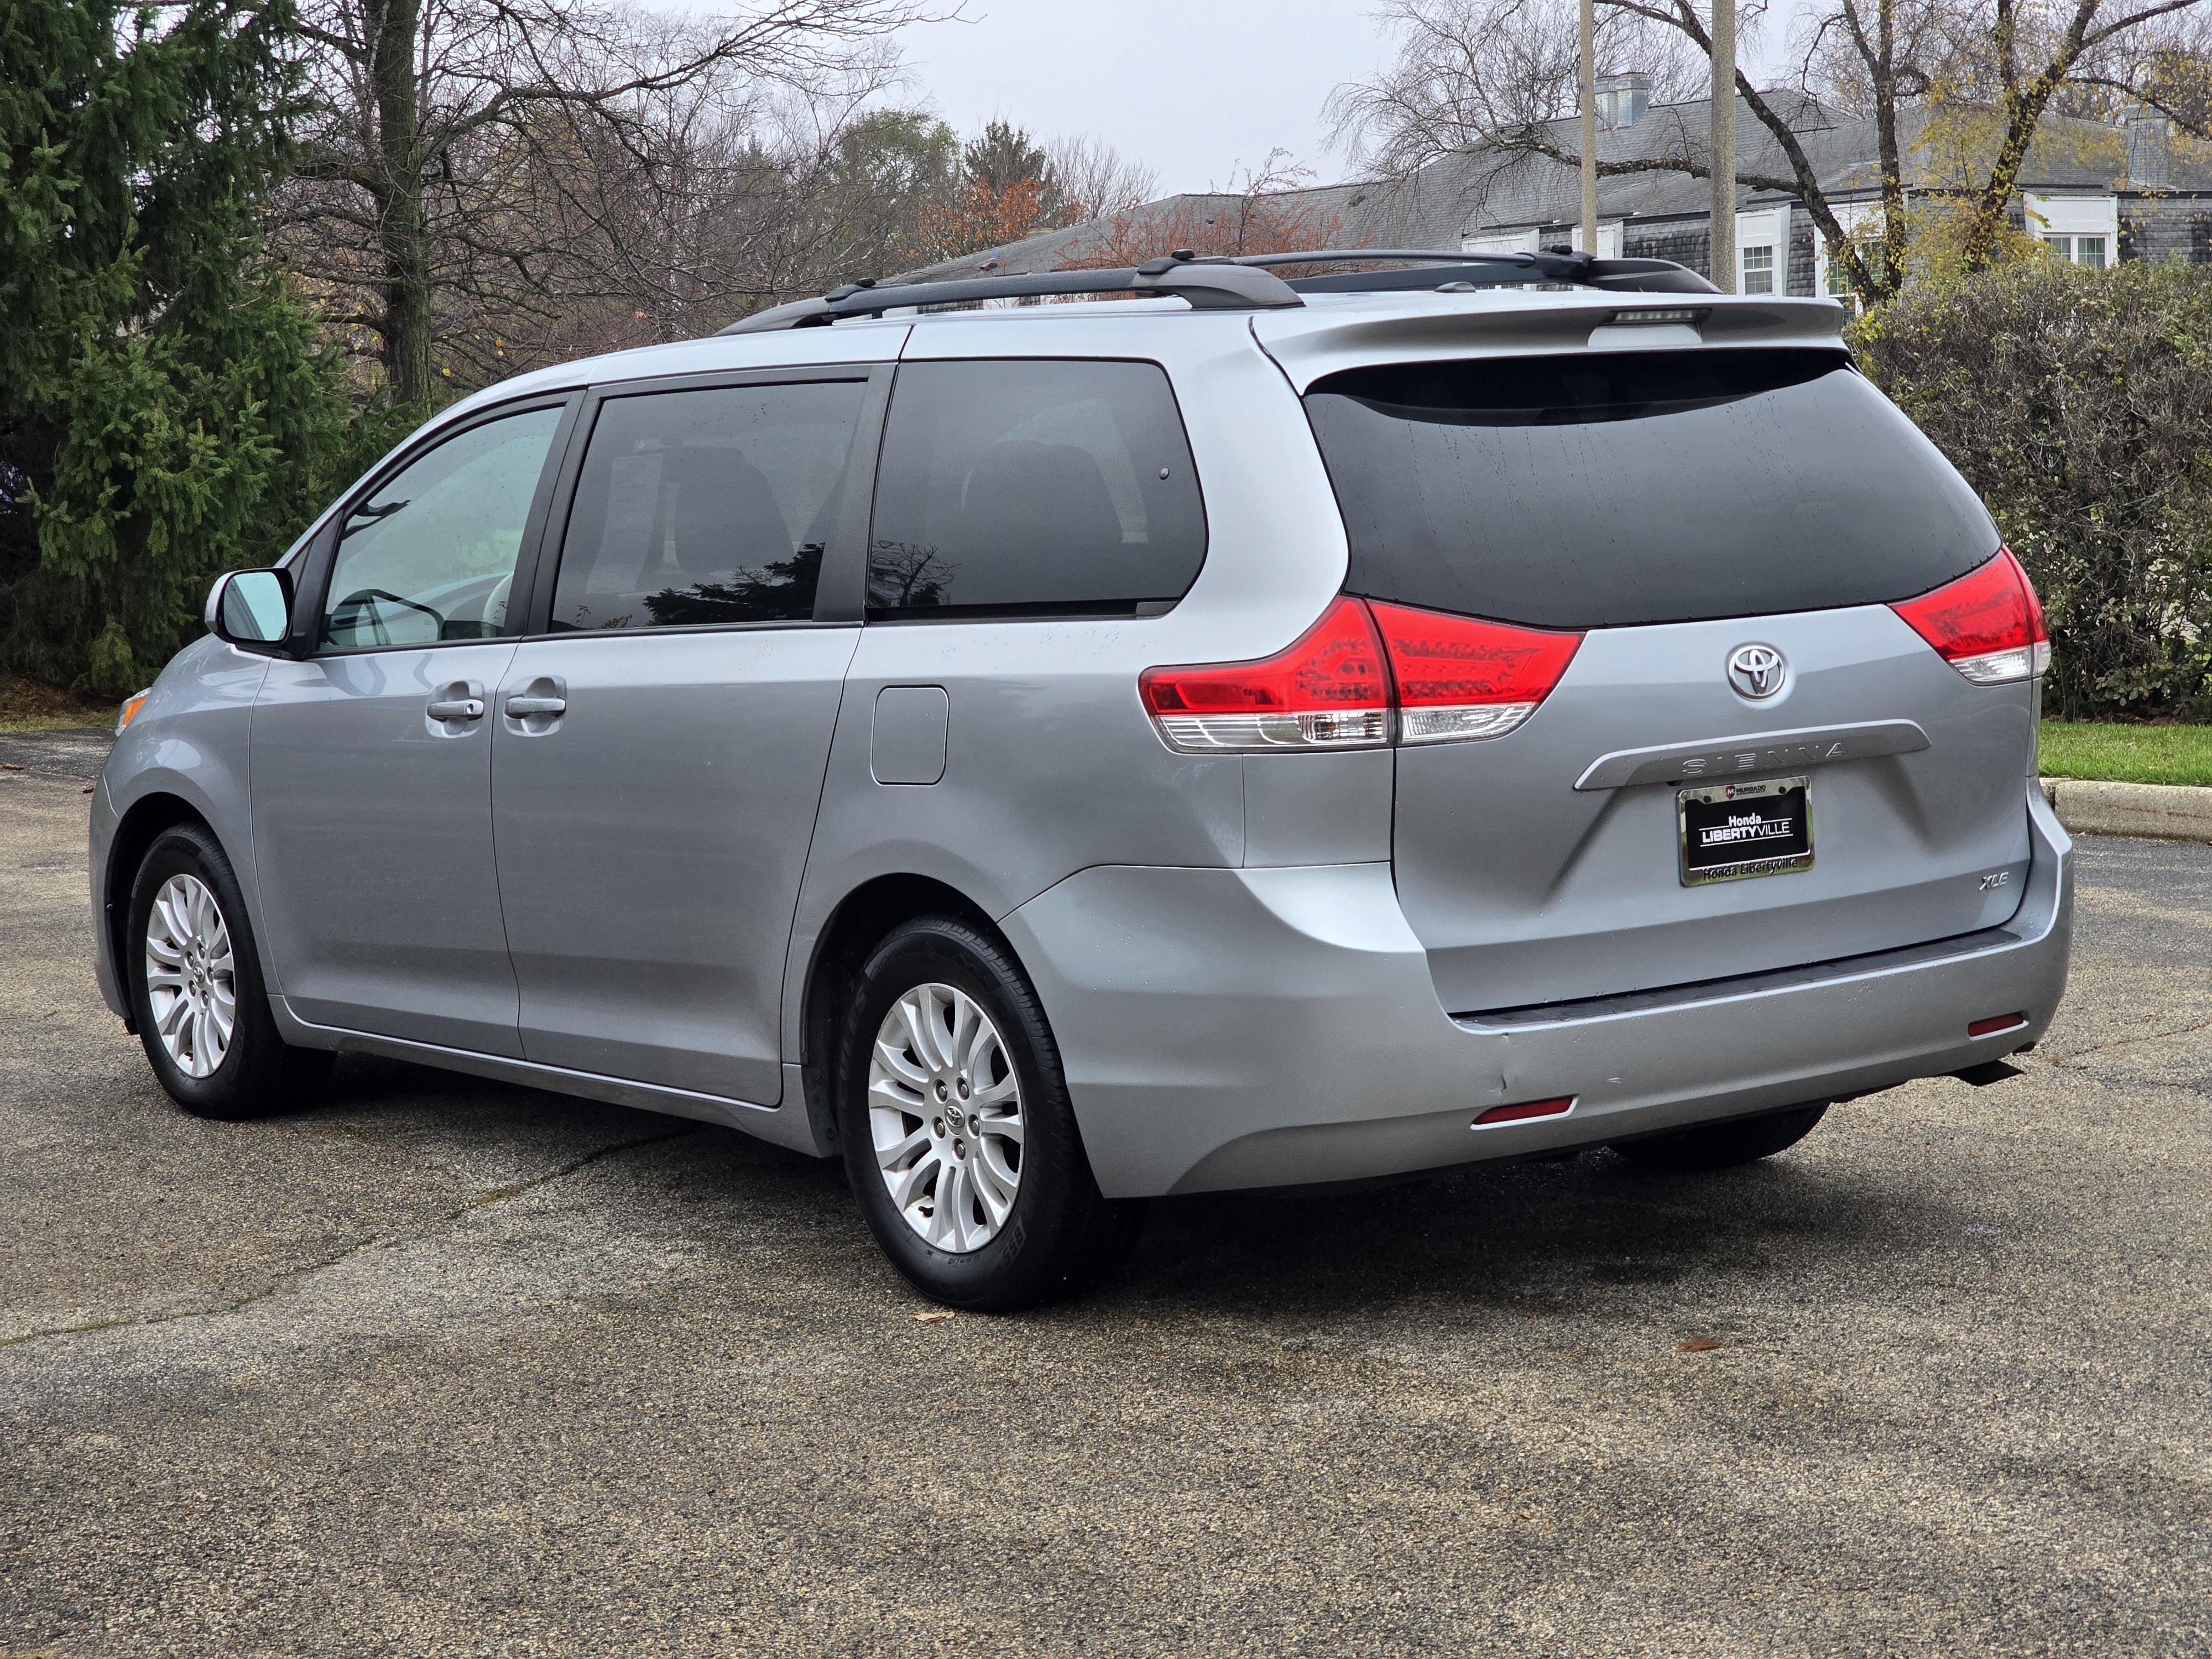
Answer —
(944, 1112)
(191, 985)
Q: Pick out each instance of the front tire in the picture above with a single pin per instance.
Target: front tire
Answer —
(959, 1138)
(1724, 1146)
(196, 993)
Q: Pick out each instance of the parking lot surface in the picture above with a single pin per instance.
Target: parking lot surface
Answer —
(446, 1367)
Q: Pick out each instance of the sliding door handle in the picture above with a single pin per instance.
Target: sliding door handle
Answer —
(457, 708)
(518, 707)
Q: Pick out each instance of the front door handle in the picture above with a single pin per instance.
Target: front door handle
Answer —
(519, 706)
(457, 708)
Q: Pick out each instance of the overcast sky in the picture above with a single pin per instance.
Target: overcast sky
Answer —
(1198, 89)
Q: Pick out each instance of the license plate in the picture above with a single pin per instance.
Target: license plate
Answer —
(1731, 830)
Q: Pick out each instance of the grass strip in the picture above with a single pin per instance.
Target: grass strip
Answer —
(25, 705)
(2099, 751)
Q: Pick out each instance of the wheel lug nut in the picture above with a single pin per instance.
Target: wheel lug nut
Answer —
(959, 1149)
(937, 1129)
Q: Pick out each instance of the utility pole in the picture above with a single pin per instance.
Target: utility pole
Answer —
(1589, 127)
(1723, 259)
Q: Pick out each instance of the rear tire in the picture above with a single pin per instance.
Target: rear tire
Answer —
(197, 994)
(960, 1140)
(1723, 1145)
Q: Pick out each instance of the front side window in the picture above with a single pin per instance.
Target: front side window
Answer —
(428, 556)
(1033, 487)
(706, 507)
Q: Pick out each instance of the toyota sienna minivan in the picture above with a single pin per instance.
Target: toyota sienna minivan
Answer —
(1249, 732)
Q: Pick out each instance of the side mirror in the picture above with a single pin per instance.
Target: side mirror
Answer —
(251, 609)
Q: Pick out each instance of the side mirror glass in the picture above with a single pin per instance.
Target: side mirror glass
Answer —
(250, 608)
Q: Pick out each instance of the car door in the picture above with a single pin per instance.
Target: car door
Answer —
(371, 757)
(661, 736)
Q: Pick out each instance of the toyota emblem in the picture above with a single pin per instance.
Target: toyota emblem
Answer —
(1756, 671)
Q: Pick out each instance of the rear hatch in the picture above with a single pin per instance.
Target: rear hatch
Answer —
(1727, 529)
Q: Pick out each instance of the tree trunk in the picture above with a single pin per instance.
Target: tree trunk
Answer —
(1895, 232)
(404, 237)
(1586, 69)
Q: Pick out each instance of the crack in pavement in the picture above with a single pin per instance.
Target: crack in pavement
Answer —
(287, 1280)
(2072, 1055)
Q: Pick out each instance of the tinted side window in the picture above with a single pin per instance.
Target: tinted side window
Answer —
(1033, 486)
(1609, 490)
(430, 554)
(711, 505)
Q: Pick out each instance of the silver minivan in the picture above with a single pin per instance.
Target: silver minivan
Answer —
(1252, 732)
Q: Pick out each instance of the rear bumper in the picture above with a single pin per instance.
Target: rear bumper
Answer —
(1256, 1028)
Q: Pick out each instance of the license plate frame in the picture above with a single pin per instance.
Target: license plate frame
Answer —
(1714, 820)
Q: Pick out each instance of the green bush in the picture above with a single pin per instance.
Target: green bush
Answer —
(2079, 403)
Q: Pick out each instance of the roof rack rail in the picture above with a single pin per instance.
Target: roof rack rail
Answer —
(1208, 287)
(1243, 282)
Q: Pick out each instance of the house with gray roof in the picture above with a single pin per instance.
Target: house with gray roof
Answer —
(2096, 194)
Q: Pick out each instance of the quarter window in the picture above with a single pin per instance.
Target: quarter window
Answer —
(1035, 486)
(705, 507)
(428, 554)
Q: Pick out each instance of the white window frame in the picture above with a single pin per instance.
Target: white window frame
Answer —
(1856, 220)
(1503, 241)
(1608, 240)
(1767, 227)
(2071, 216)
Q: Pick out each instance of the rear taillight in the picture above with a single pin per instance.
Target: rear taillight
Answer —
(1987, 624)
(1330, 691)
(1461, 677)
(1441, 678)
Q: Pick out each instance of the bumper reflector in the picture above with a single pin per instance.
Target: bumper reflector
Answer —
(1995, 1023)
(1527, 1108)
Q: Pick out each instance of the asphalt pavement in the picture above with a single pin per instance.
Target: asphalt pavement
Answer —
(446, 1367)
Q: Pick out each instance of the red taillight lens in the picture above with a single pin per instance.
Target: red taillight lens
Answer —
(1987, 624)
(1449, 677)
(1327, 691)
(1461, 677)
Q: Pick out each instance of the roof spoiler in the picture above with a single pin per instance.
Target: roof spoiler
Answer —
(1478, 271)
(1243, 282)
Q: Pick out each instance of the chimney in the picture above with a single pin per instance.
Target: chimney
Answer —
(1622, 100)
(2148, 133)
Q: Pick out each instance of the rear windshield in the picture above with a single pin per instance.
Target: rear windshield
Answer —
(1610, 490)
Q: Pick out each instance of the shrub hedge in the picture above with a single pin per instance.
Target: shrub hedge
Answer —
(2079, 403)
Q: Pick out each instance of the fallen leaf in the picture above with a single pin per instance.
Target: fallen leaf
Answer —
(10, 766)
(1698, 1345)
(86, 790)
(930, 1316)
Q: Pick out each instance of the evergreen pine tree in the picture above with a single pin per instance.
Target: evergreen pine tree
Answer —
(165, 413)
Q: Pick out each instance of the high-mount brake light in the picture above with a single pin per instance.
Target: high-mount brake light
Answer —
(1329, 690)
(1987, 624)
(1446, 678)
(1460, 676)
